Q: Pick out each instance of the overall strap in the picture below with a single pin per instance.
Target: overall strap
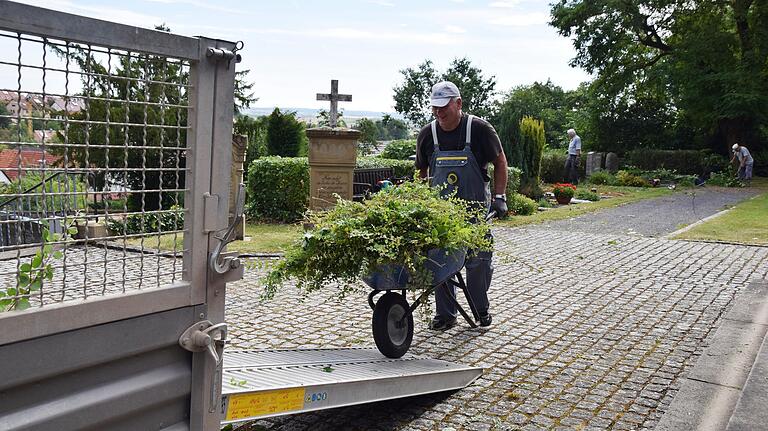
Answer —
(434, 136)
(469, 130)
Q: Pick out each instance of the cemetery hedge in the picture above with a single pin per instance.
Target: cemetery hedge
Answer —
(400, 149)
(278, 188)
(689, 162)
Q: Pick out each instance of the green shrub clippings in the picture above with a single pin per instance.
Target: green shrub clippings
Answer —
(396, 226)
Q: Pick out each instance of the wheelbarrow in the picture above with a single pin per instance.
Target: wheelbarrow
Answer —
(392, 321)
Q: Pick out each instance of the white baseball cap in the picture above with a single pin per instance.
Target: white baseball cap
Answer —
(443, 92)
(735, 146)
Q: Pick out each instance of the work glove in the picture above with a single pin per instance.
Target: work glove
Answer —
(500, 206)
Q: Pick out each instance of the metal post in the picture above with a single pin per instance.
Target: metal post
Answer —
(210, 161)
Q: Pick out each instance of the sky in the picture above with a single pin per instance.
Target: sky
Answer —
(293, 48)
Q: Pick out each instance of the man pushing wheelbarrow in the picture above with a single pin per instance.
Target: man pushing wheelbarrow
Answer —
(454, 150)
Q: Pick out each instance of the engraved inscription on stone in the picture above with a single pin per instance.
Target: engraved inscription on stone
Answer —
(332, 183)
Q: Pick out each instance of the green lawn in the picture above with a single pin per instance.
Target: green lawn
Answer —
(746, 223)
(621, 195)
(259, 238)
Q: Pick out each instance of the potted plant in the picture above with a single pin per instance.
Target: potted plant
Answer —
(564, 192)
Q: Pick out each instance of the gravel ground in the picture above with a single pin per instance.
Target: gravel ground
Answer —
(657, 217)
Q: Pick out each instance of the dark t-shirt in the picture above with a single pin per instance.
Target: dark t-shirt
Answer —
(486, 145)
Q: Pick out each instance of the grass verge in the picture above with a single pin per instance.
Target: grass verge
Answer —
(620, 196)
(746, 223)
(259, 238)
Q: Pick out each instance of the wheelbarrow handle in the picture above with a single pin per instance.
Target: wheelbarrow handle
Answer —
(491, 215)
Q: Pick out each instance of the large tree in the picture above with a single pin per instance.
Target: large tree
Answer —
(412, 95)
(709, 56)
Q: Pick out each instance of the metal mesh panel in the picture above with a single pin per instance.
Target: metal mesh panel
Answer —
(93, 163)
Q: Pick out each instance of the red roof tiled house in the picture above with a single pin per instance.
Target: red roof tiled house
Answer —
(9, 161)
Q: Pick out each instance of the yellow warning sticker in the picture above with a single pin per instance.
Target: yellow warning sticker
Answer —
(243, 406)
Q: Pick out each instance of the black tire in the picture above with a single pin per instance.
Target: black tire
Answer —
(391, 332)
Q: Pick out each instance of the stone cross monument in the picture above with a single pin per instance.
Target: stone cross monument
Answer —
(332, 156)
(335, 98)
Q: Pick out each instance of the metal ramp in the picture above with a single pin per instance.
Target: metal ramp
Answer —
(263, 383)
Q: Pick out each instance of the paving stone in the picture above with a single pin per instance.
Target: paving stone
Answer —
(612, 332)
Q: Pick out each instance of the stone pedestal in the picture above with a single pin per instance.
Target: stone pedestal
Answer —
(332, 158)
(612, 162)
(594, 162)
(239, 145)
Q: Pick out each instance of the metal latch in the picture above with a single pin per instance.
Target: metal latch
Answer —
(217, 263)
(225, 54)
(201, 337)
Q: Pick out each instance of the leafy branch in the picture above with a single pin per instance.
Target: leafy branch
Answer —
(34, 273)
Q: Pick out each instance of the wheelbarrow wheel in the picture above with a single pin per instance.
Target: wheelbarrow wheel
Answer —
(392, 325)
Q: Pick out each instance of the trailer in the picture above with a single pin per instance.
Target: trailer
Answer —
(104, 327)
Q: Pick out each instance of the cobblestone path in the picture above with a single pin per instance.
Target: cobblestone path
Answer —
(656, 217)
(591, 331)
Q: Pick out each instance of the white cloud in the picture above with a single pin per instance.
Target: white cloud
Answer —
(201, 5)
(104, 13)
(504, 4)
(381, 3)
(454, 29)
(519, 20)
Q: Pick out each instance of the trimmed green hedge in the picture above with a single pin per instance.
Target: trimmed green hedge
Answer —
(401, 168)
(399, 149)
(689, 162)
(278, 188)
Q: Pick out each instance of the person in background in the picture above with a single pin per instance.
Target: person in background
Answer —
(454, 150)
(746, 162)
(574, 154)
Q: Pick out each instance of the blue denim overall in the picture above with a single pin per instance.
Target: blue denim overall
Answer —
(459, 170)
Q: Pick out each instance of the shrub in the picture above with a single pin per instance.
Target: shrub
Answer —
(285, 134)
(553, 166)
(545, 203)
(400, 149)
(602, 178)
(587, 195)
(513, 179)
(624, 178)
(148, 223)
(531, 144)
(761, 163)
(521, 205)
(278, 188)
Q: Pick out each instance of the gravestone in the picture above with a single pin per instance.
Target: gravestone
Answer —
(332, 156)
(594, 162)
(612, 162)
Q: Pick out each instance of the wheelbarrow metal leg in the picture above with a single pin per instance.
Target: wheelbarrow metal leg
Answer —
(458, 306)
(463, 286)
